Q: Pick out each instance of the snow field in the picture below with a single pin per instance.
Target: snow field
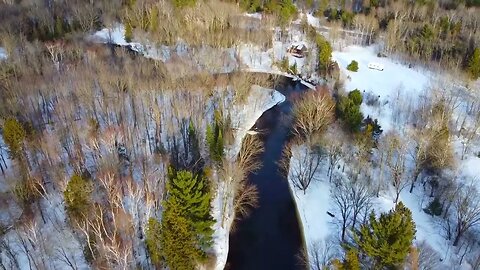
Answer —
(395, 81)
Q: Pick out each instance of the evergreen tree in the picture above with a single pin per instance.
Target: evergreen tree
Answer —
(184, 3)
(193, 142)
(348, 109)
(13, 135)
(215, 139)
(154, 19)
(59, 27)
(386, 242)
(152, 240)
(356, 97)
(350, 262)
(128, 32)
(324, 52)
(474, 64)
(77, 197)
(192, 195)
(177, 240)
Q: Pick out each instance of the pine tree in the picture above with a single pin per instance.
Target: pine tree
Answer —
(348, 108)
(356, 97)
(177, 240)
(215, 139)
(474, 64)
(13, 135)
(153, 19)
(324, 52)
(128, 32)
(192, 195)
(59, 27)
(193, 142)
(387, 241)
(77, 197)
(152, 240)
(350, 262)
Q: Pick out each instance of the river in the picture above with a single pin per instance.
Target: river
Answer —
(270, 237)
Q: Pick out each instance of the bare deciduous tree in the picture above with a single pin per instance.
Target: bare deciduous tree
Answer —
(428, 258)
(396, 158)
(313, 113)
(341, 199)
(319, 254)
(302, 166)
(467, 211)
(234, 184)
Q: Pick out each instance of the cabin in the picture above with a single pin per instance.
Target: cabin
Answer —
(298, 50)
(376, 66)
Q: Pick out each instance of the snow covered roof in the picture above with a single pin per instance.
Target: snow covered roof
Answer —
(299, 46)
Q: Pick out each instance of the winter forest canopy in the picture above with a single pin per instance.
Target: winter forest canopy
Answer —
(125, 138)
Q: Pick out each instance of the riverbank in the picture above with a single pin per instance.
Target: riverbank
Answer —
(243, 118)
(270, 237)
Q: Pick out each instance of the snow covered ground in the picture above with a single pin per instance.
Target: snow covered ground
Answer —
(3, 53)
(386, 85)
(396, 80)
(243, 118)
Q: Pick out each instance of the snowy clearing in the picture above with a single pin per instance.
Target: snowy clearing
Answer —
(385, 84)
(388, 85)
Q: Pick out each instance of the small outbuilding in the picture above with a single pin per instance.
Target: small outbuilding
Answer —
(298, 50)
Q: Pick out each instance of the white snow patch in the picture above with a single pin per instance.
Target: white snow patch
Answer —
(3, 53)
(313, 205)
(256, 15)
(385, 84)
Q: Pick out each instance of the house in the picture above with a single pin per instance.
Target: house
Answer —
(298, 50)
(376, 66)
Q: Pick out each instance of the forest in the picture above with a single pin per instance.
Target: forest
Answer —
(125, 142)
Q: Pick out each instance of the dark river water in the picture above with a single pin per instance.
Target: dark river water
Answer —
(270, 238)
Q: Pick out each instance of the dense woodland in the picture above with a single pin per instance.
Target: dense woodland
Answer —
(103, 167)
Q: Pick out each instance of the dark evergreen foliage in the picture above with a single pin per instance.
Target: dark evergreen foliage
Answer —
(385, 242)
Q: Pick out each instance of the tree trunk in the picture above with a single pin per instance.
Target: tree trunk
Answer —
(457, 238)
(415, 176)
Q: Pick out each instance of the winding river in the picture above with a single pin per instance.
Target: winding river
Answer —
(270, 237)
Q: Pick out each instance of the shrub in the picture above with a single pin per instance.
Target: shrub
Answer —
(353, 66)
(283, 65)
(474, 64)
(128, 32)
(27, 191)
(293, 69)
(77, 197)
(434, 208)
(13, 135)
